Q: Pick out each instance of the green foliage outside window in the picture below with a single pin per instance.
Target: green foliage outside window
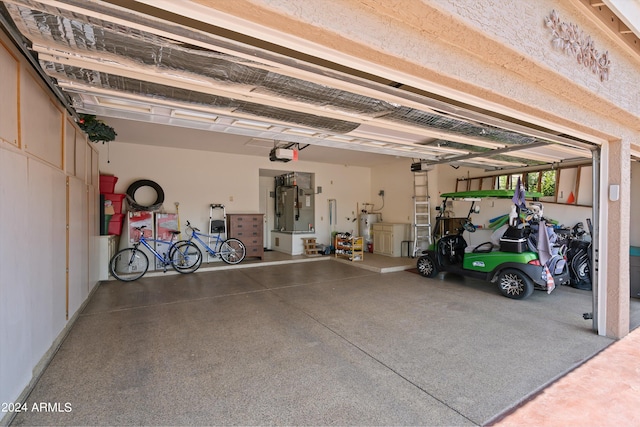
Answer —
(547, 182)
(532, 181)
(502, 182)
(548, 185)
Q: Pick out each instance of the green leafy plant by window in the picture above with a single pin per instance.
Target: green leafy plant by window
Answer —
(532, 181)
(548, 186)
(96, 130)
(501, 182)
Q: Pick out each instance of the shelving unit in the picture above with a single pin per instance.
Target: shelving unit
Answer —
(349, 247)
(310, 246)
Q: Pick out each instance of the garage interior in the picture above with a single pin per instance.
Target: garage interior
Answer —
(313, 342)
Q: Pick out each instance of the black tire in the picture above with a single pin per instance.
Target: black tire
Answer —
(129, 264)
(515, 284)
(186, 257)
(131, 192)
(232, 251)
(426, 266)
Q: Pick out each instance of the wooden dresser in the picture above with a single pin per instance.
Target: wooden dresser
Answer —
(248, 228)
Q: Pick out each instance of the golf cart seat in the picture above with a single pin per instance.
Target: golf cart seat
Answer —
(483, 248)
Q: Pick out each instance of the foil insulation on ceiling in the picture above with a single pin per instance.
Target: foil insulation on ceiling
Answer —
(458, 126)
(189, 97)
(482, 151)
(116, 46)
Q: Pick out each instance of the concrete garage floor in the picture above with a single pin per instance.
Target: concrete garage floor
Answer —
(310, 343)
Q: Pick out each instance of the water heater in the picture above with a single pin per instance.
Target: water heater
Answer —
(364, 226)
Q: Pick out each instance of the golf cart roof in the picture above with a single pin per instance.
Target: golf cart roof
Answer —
(482, 194)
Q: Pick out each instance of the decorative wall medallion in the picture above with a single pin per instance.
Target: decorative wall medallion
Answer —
(573, 41)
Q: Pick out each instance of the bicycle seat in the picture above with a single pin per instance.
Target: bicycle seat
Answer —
(174, 232)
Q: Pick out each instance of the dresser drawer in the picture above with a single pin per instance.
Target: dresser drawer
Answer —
(254, 251)
(244, 220)
(249, 241)
(247, 228)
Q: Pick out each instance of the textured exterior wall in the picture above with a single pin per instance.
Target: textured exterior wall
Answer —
(616, 215)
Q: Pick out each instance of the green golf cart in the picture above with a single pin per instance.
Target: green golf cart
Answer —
(524, 260)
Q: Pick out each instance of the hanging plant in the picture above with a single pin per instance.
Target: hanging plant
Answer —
(96, 130)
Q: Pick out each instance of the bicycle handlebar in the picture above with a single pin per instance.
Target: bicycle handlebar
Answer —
(188, 224)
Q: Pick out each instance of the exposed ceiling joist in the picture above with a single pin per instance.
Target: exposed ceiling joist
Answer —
(116, 62)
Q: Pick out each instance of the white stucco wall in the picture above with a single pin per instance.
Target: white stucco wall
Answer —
(195, 179)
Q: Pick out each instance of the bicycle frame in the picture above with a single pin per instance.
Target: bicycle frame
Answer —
(164, 259)
(231, 251)
(197, 236)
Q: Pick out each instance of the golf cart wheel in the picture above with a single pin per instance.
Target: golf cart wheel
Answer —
(426, 266)
(515, 284)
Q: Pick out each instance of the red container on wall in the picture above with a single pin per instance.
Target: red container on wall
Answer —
(116, 201)
(115, 225)
(108, 183)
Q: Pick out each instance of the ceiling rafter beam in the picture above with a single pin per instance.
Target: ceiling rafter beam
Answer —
(486, 153)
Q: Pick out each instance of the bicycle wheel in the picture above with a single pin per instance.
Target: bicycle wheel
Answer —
(232, 251)
(185, 257)
(129, 264)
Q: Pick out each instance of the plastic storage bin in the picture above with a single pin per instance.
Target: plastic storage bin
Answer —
(105, 229)
(116, 201)
(115, 225)
(108, 183)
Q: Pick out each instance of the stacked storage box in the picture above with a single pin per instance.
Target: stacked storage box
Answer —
(112, 204)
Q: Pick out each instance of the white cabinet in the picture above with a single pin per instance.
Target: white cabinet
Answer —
(388, 237)
(107, 249)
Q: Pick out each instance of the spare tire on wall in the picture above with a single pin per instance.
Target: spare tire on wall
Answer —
(131, 192)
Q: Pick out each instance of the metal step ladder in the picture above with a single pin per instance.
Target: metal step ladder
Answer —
(421, 213)
(217, 226)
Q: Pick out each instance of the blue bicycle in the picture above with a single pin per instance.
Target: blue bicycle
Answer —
(131, 264)
(231, 251)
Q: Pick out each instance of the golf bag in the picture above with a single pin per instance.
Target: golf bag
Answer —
(451, 249)
(558, 262)
(579, 256)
